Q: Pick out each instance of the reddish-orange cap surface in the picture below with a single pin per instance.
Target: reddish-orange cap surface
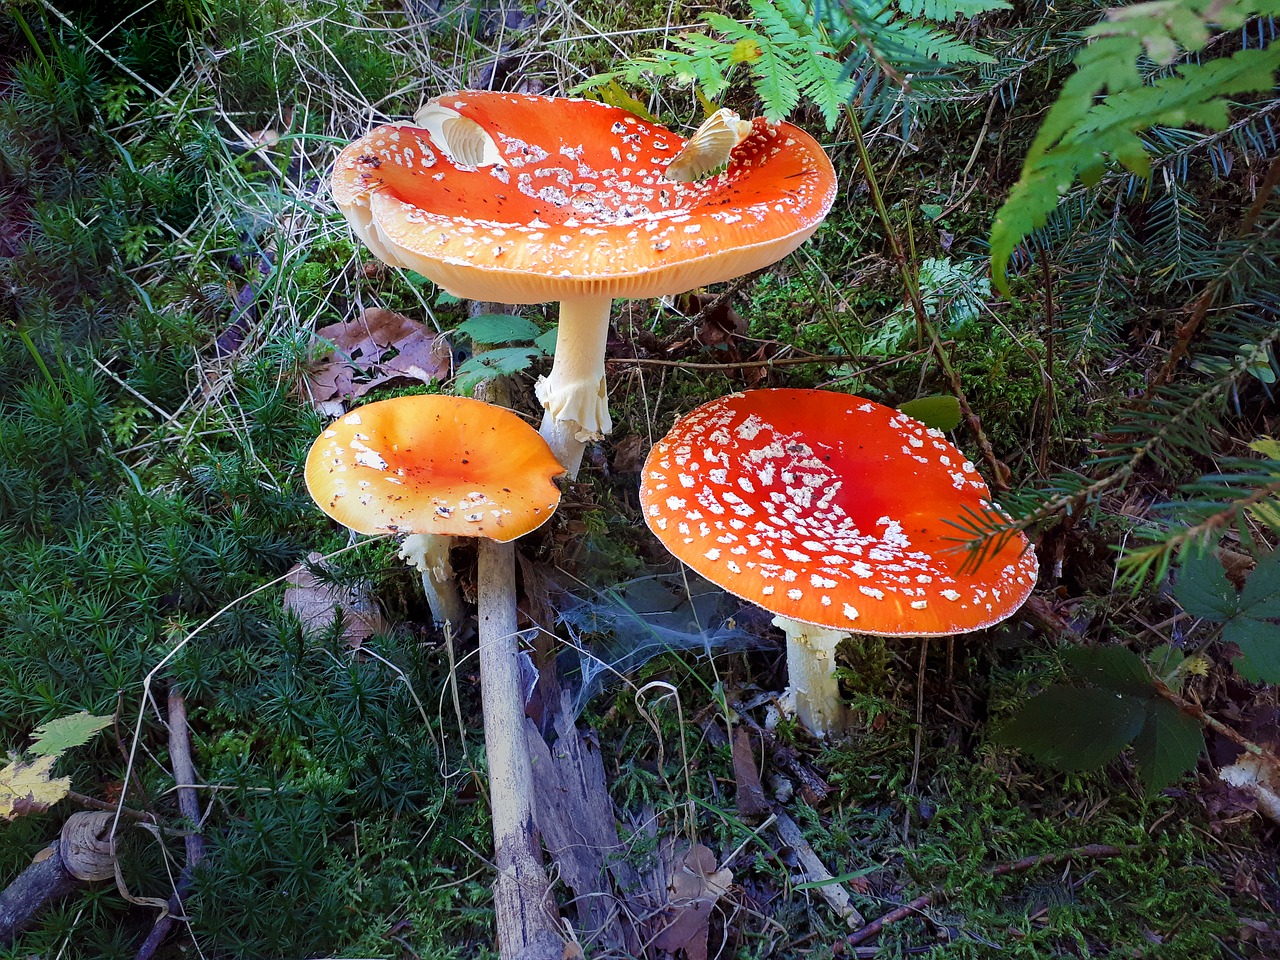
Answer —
(578, 205)
(830, 509)
(434, 464)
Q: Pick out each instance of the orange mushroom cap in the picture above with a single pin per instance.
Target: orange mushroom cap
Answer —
(577, 205)
(833, 510)
(434, 464)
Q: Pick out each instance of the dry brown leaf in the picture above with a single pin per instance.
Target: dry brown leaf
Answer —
(693, 890)
(317, 604)
(378, 346)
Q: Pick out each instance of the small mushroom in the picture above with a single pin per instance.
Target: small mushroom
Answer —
(434, 468)
(437, 467)
(835, 513)
(524, 199)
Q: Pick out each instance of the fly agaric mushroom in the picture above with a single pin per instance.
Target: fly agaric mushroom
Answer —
(524, 199)
(836, 514)
(434, 467)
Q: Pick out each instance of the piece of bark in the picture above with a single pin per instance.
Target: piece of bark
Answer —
(753, 805)
(45, 881)
(815, 870)
(575, 815)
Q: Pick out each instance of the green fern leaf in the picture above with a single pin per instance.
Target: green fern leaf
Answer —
(1080, 137)
(944, 11)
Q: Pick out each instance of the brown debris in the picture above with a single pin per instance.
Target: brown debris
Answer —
(318, 604)
(379, 346)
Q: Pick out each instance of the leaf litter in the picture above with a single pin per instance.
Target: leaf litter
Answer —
(377, 347)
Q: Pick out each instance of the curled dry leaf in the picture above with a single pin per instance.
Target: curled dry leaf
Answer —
(85, 846)
(317, 603)
(378, 346)
(693, 889)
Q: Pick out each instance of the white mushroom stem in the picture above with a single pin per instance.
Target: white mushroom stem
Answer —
(523, 908)
(811, 668)
(429, 553)
(573, 394)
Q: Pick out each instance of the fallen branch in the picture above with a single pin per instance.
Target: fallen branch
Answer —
(815, 871)
(78, 857)
(1092, 851)
(184, 778)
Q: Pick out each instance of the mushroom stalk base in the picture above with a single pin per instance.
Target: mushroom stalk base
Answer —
(429, 553)
(573, 393)
(523, 908)
(811, 668)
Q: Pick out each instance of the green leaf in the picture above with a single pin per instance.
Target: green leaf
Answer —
(1259, 644)
(493, 363)
(931, 210)
(1266, 446)
(1260, 598)
(498, 328)
(546, 342)
(418, 280)
(1074, 728)
(1203, 588)
(1113, 668)
(57, 736)
(940, 412)
(1168, 745)
(444, 298)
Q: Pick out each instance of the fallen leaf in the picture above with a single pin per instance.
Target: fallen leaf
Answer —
(693, 889)
(380, 345)
(753, 805)
(318, 603)
(30, 787)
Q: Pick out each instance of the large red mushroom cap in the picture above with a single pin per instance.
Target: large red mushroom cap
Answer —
(831, 510)
(568, 199)
(434, 465)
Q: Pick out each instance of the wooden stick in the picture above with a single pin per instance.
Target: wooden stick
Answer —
(1089, 851)
(815, 870)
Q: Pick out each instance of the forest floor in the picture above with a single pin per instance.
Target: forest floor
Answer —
(175, 275)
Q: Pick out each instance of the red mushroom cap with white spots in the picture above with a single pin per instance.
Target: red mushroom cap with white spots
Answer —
(833, 510)
(434, 464)
(577, 204)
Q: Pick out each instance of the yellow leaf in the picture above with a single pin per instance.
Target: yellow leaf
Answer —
(745, 50)
(30, 787)
(1197, 666)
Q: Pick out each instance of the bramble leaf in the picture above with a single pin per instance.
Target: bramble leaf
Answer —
(498, 328)
(1167, 746)
(1203, 588)
(1074, 728)
(493, 363)
(1260, 598)
(1117, 669)
(58, 736)
(1259, 643)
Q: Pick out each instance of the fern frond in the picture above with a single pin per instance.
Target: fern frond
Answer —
(1104, 105)
(944, 11)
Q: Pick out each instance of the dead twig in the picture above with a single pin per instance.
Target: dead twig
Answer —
(1091, 851)
(184, 778)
